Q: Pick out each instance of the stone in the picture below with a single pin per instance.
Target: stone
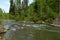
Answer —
(56, 22)
(2, 29)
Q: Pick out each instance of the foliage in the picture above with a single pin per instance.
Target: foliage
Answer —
(38, 12)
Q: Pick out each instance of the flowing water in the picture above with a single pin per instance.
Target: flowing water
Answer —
(32, 32)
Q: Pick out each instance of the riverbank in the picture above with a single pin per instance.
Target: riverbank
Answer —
(53, 24)
(4, 29)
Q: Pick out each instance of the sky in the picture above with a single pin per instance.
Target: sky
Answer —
(5, 5)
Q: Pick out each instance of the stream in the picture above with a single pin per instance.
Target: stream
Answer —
(29, 31)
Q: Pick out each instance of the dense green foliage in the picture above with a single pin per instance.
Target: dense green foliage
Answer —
(43, 11)
(40, 11)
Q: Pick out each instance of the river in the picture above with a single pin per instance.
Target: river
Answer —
(28, 31)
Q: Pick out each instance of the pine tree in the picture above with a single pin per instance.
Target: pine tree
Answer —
(25, 4)
(15, 7)
(12, 7)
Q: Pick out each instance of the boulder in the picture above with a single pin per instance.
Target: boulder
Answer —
(2, 29)
(56, 22)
